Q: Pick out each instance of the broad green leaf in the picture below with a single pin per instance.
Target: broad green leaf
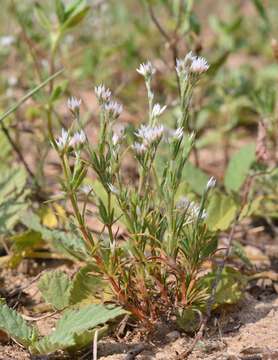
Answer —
(23, 244)
(66, 243)
(88, 286)
(16, 327)
(221, 211)
(195, 177)
(55, 288)
(72, 325)
(189, 320)
(12, 197)
(230, 287)
(239, 167)
(5, 152)
(69, 244)
(87, 337)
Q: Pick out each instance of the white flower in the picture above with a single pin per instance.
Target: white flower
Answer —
(116, 139)
(199, 65)
(77, 139)
(140, 149)
(103, 94)
(211, 183)
(113, 189)
(150, 134)
(113, 109)
(178, 133)
(63, 139)
(192, 64)
(170, 134)
(191, 208)
(7, 40)
(74, 104)
(86, 189)
(146, 70)
(158, 110)
(12, 80)
(182, 65)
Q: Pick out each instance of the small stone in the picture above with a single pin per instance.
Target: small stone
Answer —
(172, 336)
(256, 256)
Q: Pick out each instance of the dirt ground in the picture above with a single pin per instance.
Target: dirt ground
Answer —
(247, 330)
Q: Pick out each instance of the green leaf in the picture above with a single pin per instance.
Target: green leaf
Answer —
(26, 240)
(66, 243)
(60, 10)
(55, 287)
(195, 177)
(69, 244)
(16, 327)
(261, 8)
(221, 211)
(189, 319)
(12, 197)
(42, 18)
(239, 167)
(73, 324)
(87, 337)
(230, 287)
(76, 16)
(87, 286)
(58, 91)
(22, 244)
(72, 6)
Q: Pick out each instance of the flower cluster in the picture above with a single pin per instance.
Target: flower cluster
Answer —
(191, 64)
(146, 69)
(140, 149)
(74, 104)
(103, 94)
(194, 211)
(73, 141)
(113, 109)
(150, 134)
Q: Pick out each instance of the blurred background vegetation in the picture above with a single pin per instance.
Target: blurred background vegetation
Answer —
(104, 42)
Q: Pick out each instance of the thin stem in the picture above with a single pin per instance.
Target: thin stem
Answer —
(14, 107)
(109, 226)
(18, 152)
